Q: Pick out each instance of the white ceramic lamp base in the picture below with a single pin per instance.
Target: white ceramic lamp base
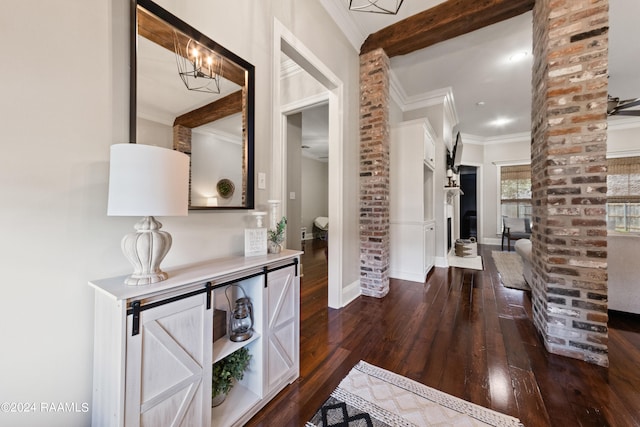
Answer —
(145, 249)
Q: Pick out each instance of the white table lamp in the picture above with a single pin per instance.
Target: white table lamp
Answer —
(147, 181)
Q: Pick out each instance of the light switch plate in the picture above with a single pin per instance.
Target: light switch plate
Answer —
(262, 180)
(292, 195)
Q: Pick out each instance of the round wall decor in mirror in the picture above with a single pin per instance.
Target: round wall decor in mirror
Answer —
(225, 188)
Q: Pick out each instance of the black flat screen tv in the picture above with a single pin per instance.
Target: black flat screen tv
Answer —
(457, 153)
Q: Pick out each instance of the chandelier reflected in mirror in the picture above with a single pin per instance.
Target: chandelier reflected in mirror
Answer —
(199, 68)
(389, 7)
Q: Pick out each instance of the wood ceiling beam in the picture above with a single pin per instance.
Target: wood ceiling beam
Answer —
(156, 30)
(227, 106)
(442, 22)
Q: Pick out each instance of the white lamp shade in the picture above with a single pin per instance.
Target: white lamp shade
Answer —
(145, 180)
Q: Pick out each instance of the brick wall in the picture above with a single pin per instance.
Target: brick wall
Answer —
(374, 173)
(568, 159)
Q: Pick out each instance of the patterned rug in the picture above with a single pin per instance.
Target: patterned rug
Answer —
(509, 265)
(371, 396)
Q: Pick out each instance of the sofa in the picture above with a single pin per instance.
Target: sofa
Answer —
(523, 248)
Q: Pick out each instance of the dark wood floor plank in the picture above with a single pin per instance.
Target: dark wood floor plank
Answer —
(531, 409)
(461, 332)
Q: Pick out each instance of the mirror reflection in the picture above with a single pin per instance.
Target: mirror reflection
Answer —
(194, 96)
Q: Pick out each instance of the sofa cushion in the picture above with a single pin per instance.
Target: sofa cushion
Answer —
(523, 248)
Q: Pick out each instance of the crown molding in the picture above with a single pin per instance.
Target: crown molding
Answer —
(423, 100)
(469, 139)
(507, 139)
(623, 153)
(396, 92)
(624, 123)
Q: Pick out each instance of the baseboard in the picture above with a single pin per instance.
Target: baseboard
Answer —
(491, 241)
(403, 275)
(350, 293)
(442, 262)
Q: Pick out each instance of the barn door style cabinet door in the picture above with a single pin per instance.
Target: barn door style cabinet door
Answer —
(154, 347)
(169, 363)
(283, 329)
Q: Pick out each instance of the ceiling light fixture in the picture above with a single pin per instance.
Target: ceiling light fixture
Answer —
(388, 7)
(199, 68)
(501, 121)
(518, 56)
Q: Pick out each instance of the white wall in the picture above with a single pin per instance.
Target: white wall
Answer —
(496, 153)
(299, 86)
(214, 158)
(623, 267)
(62, 108)
(315, 192)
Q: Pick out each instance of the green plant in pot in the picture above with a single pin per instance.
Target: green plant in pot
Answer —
(276, 237)
(226, 372)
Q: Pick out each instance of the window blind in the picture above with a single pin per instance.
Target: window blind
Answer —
(623, 180)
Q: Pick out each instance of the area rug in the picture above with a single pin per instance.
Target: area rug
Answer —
(509, 265)
(371, 396)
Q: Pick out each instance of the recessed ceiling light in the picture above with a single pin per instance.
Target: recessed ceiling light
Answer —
(481, 103)
(501, 121)
(519, 56)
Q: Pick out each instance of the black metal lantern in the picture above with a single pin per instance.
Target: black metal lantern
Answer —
(241, 317)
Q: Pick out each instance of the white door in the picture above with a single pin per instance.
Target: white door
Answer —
(169, 365)
(283, 296)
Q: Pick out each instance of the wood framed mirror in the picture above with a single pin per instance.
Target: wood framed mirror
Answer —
(193, 95)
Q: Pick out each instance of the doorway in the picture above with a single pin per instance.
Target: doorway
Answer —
(468, 176)
(307, 175)
(286, 44)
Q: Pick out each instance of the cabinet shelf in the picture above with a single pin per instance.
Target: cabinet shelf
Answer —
(223, 347)
(239, 400)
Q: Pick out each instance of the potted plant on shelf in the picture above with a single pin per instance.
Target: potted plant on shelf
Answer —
(276, 237)
(226, 372)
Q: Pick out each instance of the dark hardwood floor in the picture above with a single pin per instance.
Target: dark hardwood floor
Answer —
(463, 333)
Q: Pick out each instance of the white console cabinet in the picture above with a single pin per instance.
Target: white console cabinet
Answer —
(154, 348)
(411, 182)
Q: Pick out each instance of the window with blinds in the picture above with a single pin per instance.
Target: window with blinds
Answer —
(623, 194)
(515, 191)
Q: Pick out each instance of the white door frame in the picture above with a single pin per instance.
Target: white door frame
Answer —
(285, 42)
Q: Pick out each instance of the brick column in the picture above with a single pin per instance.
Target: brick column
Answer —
(182, 143)
(568, 159)
(182, 139)
(374, 173)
